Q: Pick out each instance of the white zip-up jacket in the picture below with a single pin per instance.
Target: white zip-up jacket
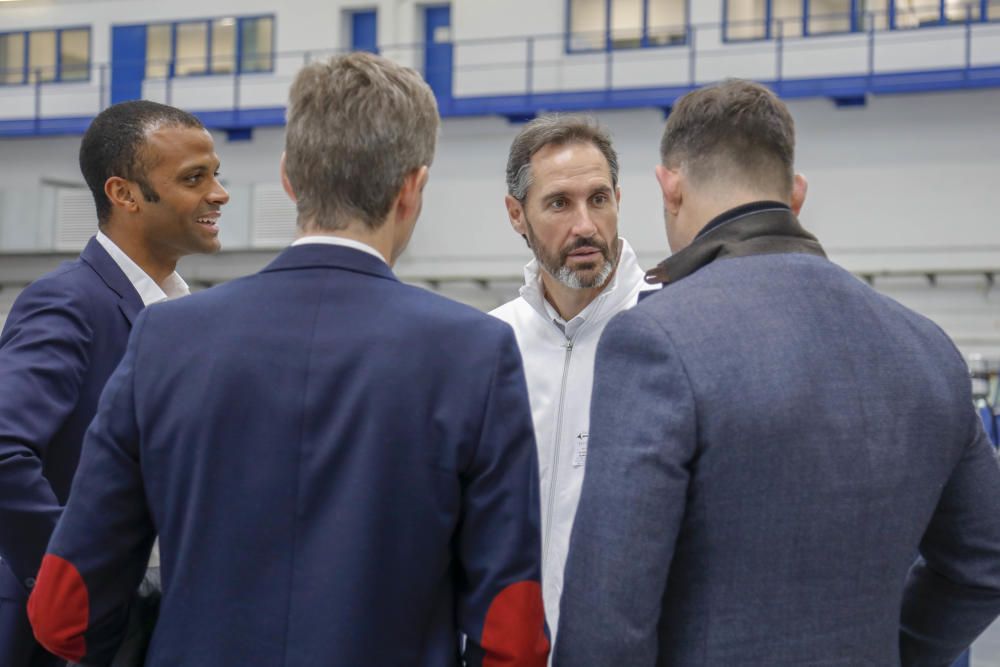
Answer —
(559, 367)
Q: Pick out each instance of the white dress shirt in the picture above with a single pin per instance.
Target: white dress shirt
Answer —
(173, 286)
(341, 241)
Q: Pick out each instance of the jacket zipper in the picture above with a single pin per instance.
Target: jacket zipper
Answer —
(555, 454)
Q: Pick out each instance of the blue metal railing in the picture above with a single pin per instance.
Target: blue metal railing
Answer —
(517, 76)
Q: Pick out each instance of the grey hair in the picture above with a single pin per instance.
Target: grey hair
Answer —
(357, 125)
(554, 129)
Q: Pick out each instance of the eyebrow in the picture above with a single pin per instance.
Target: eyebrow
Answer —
(604, 188)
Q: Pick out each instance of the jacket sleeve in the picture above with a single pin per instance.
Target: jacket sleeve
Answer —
(642, 440)
(499, 597)
(44, 354)
(953, 591)
(101, 545)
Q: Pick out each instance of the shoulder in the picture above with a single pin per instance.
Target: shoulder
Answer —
(510, 311)
(73, 286)
(437, 311)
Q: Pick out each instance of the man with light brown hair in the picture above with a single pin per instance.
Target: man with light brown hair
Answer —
(340, 467)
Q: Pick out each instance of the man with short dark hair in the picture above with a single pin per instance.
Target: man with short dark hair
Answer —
(152, 170)
(340, 467)
(773, 442)
(563, 197)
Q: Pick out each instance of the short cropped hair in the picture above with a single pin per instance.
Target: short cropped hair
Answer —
(733, 131)
(115, 143)
(357, 125)
(558, 130)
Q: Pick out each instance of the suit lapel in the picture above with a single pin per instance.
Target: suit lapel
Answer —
(104, 266)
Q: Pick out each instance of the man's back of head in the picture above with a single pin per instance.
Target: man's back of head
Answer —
(361, 131)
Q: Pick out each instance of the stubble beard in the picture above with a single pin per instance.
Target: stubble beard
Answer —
(578, 279)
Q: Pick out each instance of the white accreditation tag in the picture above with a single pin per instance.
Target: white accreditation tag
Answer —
(580, 455)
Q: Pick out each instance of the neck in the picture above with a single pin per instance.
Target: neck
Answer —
(380, 239)
(568, 301)
(156, 265)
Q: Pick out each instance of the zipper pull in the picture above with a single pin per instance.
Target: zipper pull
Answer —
(568, 345)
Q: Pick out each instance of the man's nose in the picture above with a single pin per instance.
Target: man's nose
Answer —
(219, 194)
(583, 222)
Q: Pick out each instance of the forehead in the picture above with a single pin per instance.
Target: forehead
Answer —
(577, 164)
(177, 147)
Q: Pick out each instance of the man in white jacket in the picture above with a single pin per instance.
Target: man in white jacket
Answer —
(562, 197)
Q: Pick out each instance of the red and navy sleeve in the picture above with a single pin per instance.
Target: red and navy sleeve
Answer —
(499, 545)
(101, 545)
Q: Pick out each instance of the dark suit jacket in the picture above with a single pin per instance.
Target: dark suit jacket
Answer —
(772, 442)
(64, 336)
(341, 469)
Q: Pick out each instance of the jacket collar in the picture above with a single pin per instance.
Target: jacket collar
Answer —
(767, 231)
(322, 255)
(611, 299)
(95, 256)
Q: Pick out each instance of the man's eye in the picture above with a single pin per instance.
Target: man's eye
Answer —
(558, 204)
(193, 178)
(600, 199)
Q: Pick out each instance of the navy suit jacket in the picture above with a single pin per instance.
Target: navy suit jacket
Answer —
(341, 469)
(64, 336)
(772, 443)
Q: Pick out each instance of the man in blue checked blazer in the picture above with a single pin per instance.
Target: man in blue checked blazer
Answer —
(152, 171)
(773, 443)
(340, 467)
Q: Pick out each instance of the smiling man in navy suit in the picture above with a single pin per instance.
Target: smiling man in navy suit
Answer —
(152, 171)
(340, 467)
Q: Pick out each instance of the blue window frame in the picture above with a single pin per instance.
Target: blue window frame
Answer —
(221, 45)
(364, 30)
(599, 25)
(50, 55)
(745, 20)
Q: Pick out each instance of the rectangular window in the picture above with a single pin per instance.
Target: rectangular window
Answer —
(587, 24)
(192, 49)
(12, 58)
(667, 23)
(746, 19)
(874, 14)
(74, 55)
(959, 11)
(42, 55)
(917, 13)
(256, 44)
(159, 46)
(786, 18)
(223, 46)
(993, 10)
(630, 23)
(829, 16)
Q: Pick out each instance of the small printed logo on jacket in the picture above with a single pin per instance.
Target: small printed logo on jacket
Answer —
(580, 456)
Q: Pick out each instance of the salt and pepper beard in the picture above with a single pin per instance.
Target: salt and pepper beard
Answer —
(556, 266)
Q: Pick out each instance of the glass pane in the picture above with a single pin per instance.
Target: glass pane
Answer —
(255, 45)
(873, 12)
(42, 55)
(12, 58)
(667, 22)
(158, 51)
(915, 13)
(74, 58)
(587, 24)
(626, 23)
(829, 16)
(745, 19)
(957, 11)
(786, 18)
(224, 45)
(192, 48)
(993, 10)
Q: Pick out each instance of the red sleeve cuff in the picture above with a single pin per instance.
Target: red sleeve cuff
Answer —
(59, 609)
(514, 631)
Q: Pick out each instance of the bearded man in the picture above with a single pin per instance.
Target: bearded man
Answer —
(563, 197)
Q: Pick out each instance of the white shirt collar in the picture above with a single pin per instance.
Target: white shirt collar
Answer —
(173, 286)
(341, 241)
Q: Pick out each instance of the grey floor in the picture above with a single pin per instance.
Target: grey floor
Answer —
(986, 650)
